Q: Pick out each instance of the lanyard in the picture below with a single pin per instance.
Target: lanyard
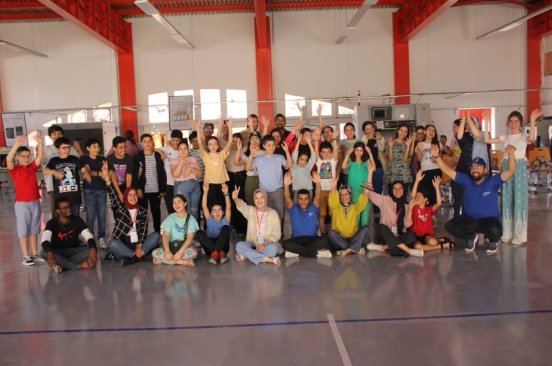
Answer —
(133, 219)
(259, 222)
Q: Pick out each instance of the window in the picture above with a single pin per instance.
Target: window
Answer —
(344, 111)
(158, 107)
(236, 103)
(291, 105)
(77, 117)
(210, 104)
(183, 92)
(327, 108)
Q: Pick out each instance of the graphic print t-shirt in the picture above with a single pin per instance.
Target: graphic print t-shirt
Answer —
(65, 236)
(121, 167)
(69, 185)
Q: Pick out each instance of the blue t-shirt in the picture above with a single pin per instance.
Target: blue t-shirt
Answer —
(174, 225)
(214, 226)
(303, 223)
(95, 165)
(269, 168)
(480, 200)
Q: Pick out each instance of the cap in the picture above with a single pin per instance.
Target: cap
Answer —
(479, 161)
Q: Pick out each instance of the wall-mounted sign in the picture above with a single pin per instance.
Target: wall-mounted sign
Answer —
(14, 125)
(181, 109)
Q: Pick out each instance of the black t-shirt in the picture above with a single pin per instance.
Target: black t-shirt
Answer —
(373, 145)
(464, 161)
(121, 167)
(69, 185)
(64, 236)
(95, 165)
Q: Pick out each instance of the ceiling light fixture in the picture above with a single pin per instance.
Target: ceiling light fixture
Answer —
(515, 23)
(15, 47)
(152, 11)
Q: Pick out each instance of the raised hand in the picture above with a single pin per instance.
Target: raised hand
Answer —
(229, 123)
(434, 150)
(264, 122)
(319, 108)
(285, 147)
(239, 144)
(436, 181)
(419, 175)
(194, 124)
(224, 188)
(315, 177)
(288, 179)
(335, 134)
(19, 140)
(510, 149)
(535, 114)
(104, 172)
(371, 164)
(235, 192)
(38, 139)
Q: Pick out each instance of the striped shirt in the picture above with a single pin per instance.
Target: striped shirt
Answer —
(152, 186)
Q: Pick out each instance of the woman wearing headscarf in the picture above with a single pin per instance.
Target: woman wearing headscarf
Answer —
(391, 229)
(263, 230)
(129, 242)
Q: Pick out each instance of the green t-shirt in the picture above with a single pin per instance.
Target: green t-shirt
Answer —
(174, 225)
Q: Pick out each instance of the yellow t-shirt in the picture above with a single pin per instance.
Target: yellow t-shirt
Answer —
(345, 224)
(215, 167)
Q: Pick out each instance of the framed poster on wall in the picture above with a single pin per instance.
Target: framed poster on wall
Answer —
(14, 125)
(181, 108)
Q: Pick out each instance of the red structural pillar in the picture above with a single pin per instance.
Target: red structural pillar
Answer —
(263, 58)
(534, 68)
(401, 63)
(127, 87)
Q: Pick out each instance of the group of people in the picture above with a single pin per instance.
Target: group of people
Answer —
(246, 181)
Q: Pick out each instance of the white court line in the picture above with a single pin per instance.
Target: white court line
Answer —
(339, 341)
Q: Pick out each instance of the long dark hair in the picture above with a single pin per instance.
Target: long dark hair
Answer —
(401, 126)
(434, 140)
(253, 134)
(364, 156)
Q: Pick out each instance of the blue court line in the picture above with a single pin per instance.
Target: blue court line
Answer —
(278, 324)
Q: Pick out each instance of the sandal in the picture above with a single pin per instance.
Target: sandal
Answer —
(239, 258)
(84, 265)
(444, 240)
(57, 268)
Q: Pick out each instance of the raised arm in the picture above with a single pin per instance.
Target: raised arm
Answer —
(511, 168)
(444, 167)
(407, 152)
(419, 177)
(227, 203)
(219, 128)
(39, 150)
(346, 157)
(473, 128)
(287, 194)
(289, 162)
(390, 143)
(204, 206)
(315, 176)
(487, 136)
(19, 140)
(536, 114)
(265, 123)
(226, 148)
(196, 125)
(436, 182)
(461, 127)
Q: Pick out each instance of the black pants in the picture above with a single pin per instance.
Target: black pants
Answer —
(307, 246)
(154, 202)
(426, 185)
(220, 243)
(169, 193)
(237, 220)
(215, 195)
(458, 196)
(465, 227)
(385, 235)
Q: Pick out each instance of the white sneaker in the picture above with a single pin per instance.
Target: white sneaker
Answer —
(291, 255)
(103, 243)
(416, 252)
(372, 246)
(324, 254)
(37, 258)
(516, 242)
(28, 261)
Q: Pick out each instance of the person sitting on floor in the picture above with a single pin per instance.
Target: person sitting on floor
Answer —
(216, 239)
(481, 213)
(263, 230)
(303, 215)
(60, 240)
(391, 229)
(345, 235)
(129, 242)
(178, 230)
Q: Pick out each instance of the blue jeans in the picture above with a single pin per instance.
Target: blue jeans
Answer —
(247, 249)
(189, 189)
(122, 251)
(95, 209)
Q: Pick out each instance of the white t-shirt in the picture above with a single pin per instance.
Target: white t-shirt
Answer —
(326, 169)
(171, 154)
(427, 163)
(519, 141)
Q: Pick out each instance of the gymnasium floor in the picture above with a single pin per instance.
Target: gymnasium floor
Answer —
(448, 308)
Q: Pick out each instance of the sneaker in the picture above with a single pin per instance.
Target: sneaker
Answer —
(470, 244)
(109, 256)
(324, 253)
(214, 257)
(222, 257)
(372, 246)
(37, 258)
(28, 261)
(289, 254)
(416, 252)
(103, 243)
(492, 248)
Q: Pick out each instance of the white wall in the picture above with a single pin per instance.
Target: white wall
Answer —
(444, 57)
(79, 71)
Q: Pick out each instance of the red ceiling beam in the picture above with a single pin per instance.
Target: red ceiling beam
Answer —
(21, 4)
(541, 25)
(263, 59)
(189, 9)
(401, 64)
(415, 15)
(49, 15)
(95, 17)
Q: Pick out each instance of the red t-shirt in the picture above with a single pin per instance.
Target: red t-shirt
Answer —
(24, 182)
(421, 220)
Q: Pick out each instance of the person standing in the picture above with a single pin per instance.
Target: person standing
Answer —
(168, 154)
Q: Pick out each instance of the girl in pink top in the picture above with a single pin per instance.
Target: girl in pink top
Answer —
(185, 170)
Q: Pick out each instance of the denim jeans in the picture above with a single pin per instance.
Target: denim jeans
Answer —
(121, 250)
(95, 209)
(189, 189)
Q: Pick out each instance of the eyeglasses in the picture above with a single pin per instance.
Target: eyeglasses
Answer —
(216, 210)
(65, 147)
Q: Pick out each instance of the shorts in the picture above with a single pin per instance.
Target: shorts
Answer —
(422, 239)
(323, 203)
(27, 216)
